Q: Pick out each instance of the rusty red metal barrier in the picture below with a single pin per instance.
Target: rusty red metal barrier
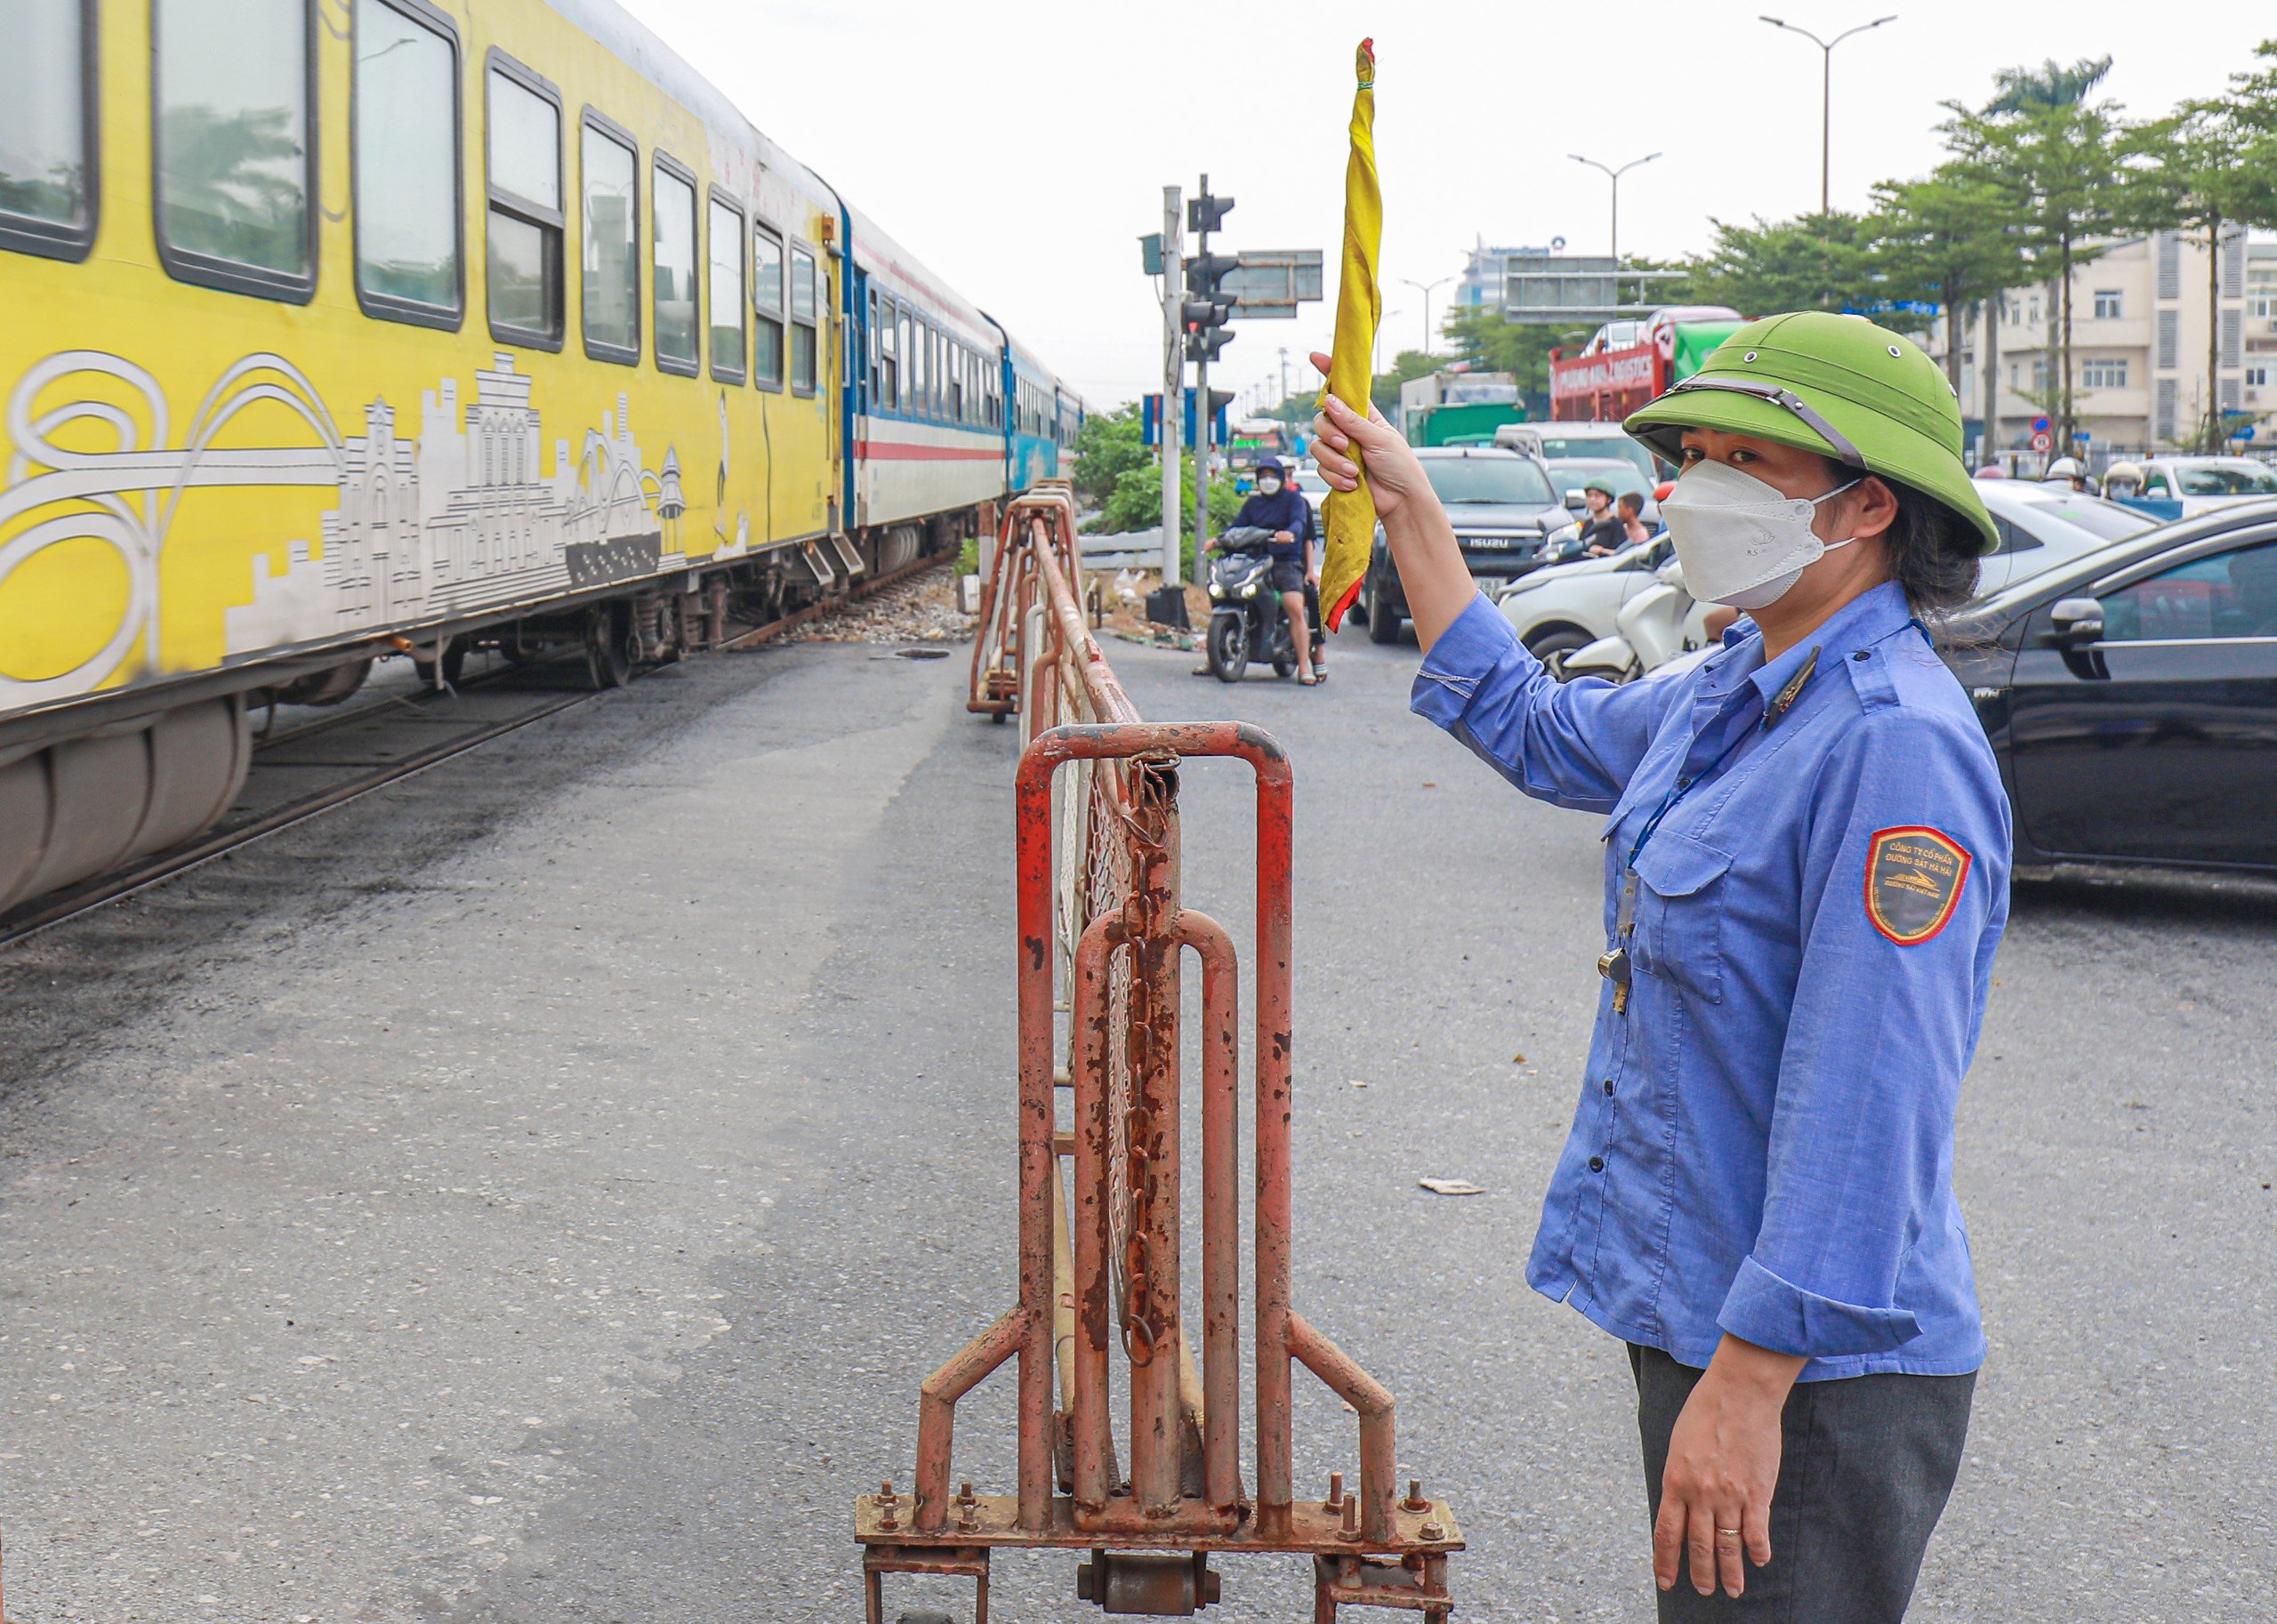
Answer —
(1099, 915)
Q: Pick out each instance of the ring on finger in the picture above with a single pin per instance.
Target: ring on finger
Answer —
(1727, 1534)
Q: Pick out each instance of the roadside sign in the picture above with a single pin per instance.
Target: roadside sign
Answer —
(2083, 436)
(1271, 283)
(2042, 440)
(2246, 433)
(2040, 425)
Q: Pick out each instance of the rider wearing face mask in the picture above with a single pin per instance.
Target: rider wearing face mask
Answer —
(1807, 872)
(1276, 507)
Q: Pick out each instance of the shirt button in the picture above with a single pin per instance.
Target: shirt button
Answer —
(1608, 1085)
(1597, 1164)
(1861, 655)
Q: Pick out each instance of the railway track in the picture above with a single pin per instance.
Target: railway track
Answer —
(306, 768)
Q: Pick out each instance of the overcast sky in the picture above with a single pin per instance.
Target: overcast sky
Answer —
(1021, 149)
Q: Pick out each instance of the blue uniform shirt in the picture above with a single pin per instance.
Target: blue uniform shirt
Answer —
(1764, 1142)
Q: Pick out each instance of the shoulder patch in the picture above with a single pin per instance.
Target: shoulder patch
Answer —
(1913, 882)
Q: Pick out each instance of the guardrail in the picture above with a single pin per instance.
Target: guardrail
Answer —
(1100, 920)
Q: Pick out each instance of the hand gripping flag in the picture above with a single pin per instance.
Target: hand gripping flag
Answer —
(1359, 305)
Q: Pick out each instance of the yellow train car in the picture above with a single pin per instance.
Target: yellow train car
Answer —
(335, 327)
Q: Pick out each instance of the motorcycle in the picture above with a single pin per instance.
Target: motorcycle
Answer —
(1655, 626)
(1246, 619)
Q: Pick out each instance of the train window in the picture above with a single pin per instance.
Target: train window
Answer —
(610, 256)
(236, 165)
(868, 351)
(673, 235)
(767, 298)
(889, 358)
(728, 353)
(806, 304)
(405, 152)
(525, 219)
(47, 129)
(913, 350)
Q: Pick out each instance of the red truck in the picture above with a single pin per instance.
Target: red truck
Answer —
(1629, 362)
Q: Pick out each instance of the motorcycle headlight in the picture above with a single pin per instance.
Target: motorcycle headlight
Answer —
(1249, 587)
(1562, 534)
(1216, 590)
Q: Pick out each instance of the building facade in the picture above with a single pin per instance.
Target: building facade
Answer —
(2139, 351)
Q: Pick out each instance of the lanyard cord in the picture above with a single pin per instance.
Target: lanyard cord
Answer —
(1676, 793)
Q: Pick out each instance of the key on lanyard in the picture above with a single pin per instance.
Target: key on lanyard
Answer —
(1614, 966)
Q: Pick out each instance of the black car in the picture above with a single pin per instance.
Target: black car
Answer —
(2131, 696)
(1502, 506)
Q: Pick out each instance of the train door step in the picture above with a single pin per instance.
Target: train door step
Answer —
(848, 555)
(819, 565)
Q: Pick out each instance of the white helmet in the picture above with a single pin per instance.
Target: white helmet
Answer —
(2066, 468)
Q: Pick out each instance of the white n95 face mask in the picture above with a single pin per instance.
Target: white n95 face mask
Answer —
(1740, 541)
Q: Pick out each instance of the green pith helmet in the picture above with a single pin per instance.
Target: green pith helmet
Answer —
(1600, 484)
(1838, 385)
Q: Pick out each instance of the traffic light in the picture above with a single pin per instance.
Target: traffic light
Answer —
(1206, 308)
(1206, 213)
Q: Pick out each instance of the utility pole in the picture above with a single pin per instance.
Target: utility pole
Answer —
(1174, 378)
(1826, 98)
(1284, 374)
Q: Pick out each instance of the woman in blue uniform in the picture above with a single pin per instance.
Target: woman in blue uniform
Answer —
(1806, 874)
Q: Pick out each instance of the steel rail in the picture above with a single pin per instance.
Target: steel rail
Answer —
(163, 866)
(71, 902)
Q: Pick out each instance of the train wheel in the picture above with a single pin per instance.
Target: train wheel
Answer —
(608, 646)
(453, 661)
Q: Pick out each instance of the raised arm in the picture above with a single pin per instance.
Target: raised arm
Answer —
(1573, 743)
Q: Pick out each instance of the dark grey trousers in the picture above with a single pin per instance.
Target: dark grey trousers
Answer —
(1868, 1463)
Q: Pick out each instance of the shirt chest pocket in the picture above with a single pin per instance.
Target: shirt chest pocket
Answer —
(1680, 915)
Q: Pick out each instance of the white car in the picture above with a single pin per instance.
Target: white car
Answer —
(2201, 484)
(1562, 607)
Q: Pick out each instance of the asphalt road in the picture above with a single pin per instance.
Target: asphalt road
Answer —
(534, 1192)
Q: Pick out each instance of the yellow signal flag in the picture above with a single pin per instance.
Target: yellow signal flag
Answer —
(1351, 515)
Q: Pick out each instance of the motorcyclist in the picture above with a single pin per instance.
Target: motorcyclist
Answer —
(1602, 531)
(2122, 479)
(2066, 471)
(1278, 506)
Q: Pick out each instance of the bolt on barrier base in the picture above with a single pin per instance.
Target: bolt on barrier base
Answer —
(1102, 938)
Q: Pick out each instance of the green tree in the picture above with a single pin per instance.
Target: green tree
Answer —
(2063, 158)
(2205, 171)
(1490, 342)
(1817, 262)
(1136, 502)
(1109, 445)
(1945, 240)
(1406, 366)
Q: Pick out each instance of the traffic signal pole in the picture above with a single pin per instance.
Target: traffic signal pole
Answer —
(1202, 413)
(1173, 379)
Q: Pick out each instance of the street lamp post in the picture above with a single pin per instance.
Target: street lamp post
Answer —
(1426, 288)
(1615, 176)
(1826, 98)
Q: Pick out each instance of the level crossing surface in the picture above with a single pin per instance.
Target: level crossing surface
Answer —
(535, 1191)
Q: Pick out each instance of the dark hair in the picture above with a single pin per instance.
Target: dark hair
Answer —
(1932, 550)
(1634, 501)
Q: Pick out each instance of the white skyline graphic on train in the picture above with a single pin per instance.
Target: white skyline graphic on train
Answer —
(460, 518)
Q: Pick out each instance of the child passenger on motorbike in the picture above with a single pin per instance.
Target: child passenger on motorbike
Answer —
(1279, 507)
